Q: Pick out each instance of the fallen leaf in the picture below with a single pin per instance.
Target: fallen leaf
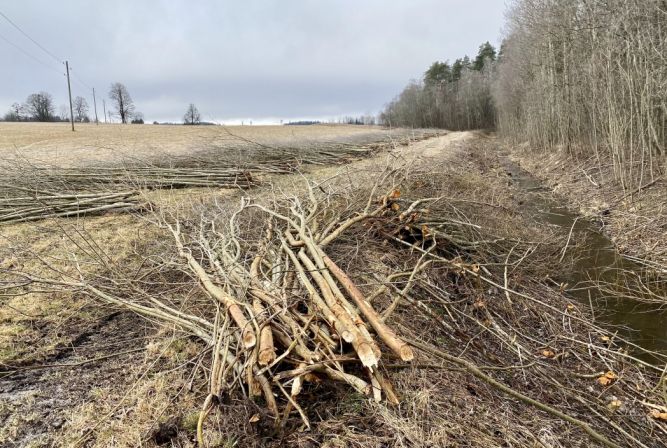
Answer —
(312, 378)
(254, 418)
(425, 232)
(548, 353)
(605, 338)
(571, 306)
(614, 405)
(395, 194)
(607, 378)
(479, 304)
(395, 207)
(659, 415)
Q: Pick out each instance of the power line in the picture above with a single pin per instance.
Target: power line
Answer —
(78, 79)
(57, 59)
(31, 39)
(30, 55)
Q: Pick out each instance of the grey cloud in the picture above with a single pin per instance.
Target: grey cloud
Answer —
(241, 59)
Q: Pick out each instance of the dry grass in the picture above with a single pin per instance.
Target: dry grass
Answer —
(54, 328)
(138, 398)
(54, 143)
(35, 326)
(635, 221)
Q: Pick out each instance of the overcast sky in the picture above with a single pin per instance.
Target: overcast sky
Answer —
(261, 60)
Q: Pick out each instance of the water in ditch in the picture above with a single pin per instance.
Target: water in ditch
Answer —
(601, 277)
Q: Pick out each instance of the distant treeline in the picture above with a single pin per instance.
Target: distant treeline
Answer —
(40, 107)
(364, 120)
(583, 75)
(302, 123)
(454, 96)
(171, 123)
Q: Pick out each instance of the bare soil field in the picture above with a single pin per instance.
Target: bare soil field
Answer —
(503, 357)
(55, 144)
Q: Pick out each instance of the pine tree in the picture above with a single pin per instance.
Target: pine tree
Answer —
(486, 52)
(438, 72)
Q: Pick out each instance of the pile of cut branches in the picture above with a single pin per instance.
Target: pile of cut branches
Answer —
(280, 306)
(105, 178)
(257, 157)
(36, 205)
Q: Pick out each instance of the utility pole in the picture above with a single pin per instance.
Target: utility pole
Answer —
(69, 89)
(95, 105)
(104, 106)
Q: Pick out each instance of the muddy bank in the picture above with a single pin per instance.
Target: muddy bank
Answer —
(622, 293)
(635, 220)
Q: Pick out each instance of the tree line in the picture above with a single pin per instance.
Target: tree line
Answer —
(587, 76)
(455, 96)
(41, 107)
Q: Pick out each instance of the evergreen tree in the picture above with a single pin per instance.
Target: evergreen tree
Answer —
(486, 52)
(458, 67)
(438, 72)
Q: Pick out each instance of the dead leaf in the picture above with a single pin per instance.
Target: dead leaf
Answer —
(659, 415)
(479, 303)
(571, 307)
(548, 353)
(425, 232)
(395, 207)
(614, 405)
(312, 378)
(605, 338)
(254, 418)
(607, 378)
(395, 193)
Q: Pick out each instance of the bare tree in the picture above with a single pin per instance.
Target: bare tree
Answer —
(63, 112)
(39, 106)
(192, 115)
(16, 113)
(137, 118)
(122, 102)
(589, 77)
(80, 109)
(455, 97)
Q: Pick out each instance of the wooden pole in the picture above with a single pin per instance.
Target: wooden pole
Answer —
(95, 106)
(69, 89)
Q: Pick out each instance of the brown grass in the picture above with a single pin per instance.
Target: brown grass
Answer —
(54, 143)
(636, 221)
(131, 400)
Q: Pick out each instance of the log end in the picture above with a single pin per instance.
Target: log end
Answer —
(266, 357)
(249, 339)
(406, 353)
(367, 356)
(347, 336)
